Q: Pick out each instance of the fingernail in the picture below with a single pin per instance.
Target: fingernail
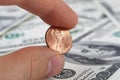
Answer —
(55, 65)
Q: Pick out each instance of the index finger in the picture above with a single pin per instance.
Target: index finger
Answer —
(53, 12)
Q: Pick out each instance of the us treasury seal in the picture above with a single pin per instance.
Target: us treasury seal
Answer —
(66, 73)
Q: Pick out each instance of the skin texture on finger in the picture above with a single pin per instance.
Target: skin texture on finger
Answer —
(27, 64)
(10, 2)
(53, 12)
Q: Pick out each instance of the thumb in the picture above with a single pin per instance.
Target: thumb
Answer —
(35, 62)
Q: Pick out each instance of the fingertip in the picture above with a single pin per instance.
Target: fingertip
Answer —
(73, 22)
(61, 16)
(55, 66)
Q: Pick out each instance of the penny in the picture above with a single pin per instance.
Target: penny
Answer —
(58, 39)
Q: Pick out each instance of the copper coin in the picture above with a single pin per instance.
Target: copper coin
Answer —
(58, 39)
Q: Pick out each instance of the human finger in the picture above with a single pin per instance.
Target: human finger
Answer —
(33, 63)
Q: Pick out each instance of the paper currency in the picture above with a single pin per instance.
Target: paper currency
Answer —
(99, 60)
(82, 63)
(87, 72)
(95, 51)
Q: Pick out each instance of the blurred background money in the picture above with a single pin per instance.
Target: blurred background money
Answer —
(96, 38)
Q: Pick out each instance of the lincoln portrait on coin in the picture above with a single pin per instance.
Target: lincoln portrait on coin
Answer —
(58, 36)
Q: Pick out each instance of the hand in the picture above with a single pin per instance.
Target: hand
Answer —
(37, 63)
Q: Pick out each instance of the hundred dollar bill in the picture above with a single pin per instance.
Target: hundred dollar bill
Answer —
(94, 55)
(11, 16)
(91, 59)
(107, 35)
(73, 71)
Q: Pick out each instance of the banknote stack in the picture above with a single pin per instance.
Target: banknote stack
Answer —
(95, 53)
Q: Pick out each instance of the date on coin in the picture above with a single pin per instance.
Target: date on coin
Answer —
(58, 39)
